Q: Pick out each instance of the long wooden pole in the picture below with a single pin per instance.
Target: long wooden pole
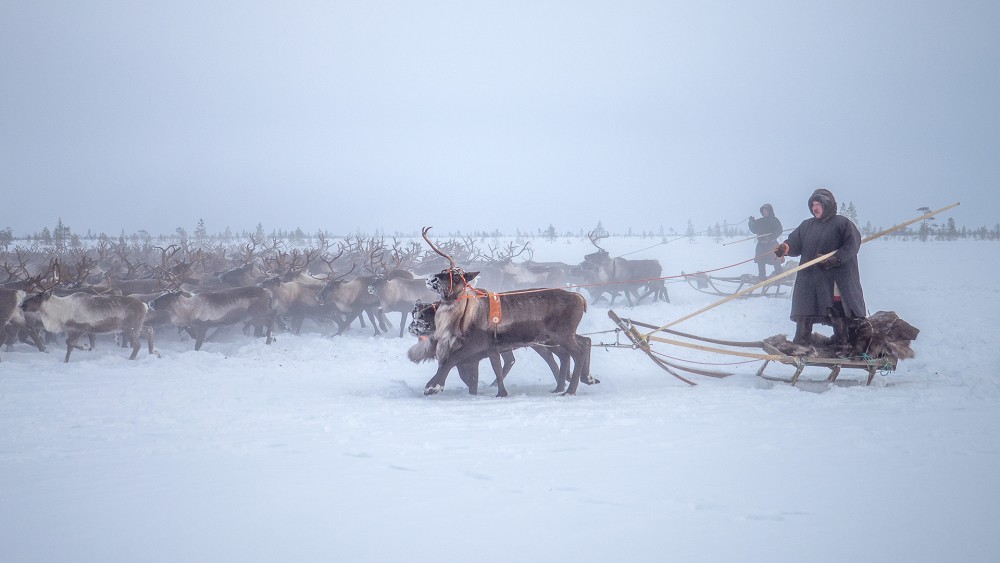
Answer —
(755, 237)
(801, 267)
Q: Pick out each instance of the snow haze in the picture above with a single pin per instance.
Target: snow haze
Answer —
(347, 116)
(321, 448)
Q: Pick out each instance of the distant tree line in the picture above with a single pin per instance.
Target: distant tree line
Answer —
(62, 237)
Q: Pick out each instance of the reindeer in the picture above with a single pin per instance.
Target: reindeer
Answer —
(466, 332)
(353, 298)
(10, 301)
(15, 323)
(502, 361)
(242, 276)
(198, 312)
(397, 293)
(619, 274)
(79, 314)
(296, 295)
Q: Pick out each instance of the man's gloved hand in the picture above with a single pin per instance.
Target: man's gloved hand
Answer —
(781, 250)
(831, 262)
(750, 219)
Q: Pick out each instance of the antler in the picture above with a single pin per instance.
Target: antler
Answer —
(83, 269)
(345, 274)
(37, 280)
(435, 248)
(592, 235)
(20, 270)
(328, 260)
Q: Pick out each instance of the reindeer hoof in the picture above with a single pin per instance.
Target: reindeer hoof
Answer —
(433, 390)
(591, 380)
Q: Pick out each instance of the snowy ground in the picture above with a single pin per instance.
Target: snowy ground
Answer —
(324, 449)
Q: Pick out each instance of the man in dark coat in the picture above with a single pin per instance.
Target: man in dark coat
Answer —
(829, 292)
(767, 229)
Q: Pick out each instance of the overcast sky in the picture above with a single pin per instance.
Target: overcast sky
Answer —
(476, 116)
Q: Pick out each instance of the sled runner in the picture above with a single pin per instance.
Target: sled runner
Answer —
(878, 343)
(884, 365)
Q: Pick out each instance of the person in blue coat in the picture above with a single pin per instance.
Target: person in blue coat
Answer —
(830, 292)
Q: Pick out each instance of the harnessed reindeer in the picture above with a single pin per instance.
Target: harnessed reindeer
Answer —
(502, 361)
(472, 324)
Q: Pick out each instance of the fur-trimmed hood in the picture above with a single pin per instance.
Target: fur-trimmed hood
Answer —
(826, 199)
(770, 210)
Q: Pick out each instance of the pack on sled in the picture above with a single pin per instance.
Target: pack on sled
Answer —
(875, 345)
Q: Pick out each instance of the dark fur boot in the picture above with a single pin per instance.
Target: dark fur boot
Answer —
(841, 335)
(803, 332)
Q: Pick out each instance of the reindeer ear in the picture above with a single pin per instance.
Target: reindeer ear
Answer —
(470, 275)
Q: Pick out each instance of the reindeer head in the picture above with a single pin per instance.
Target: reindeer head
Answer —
(271, 283)
(596, 259)
(423, 319)
(34, 303)
(167, 298)
(378, 282)
(450, 283)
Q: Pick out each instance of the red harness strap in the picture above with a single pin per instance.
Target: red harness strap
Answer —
(495, 313)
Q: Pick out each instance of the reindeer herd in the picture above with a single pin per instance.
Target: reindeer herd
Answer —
(137, 290)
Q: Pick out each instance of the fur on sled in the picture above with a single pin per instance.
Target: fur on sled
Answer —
(881, 335)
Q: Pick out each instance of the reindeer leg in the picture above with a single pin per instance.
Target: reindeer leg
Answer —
(37, 339)
(269, 325)
(199, 336)
(579, 359)
(371, 317)
(458, 358)
(562, 375)
(22, 334)
(550, 360)
(71, 338)
(436, 383)
(585, 376)
(148, 331)
(402, 322)
(383, 321)
(133, 338)
(501, 370)
(343, 323)
(469, 372)
(649, 291)
(628, 296)
(508, 363)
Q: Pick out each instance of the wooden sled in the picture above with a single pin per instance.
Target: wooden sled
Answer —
(726, 347)
(872, 366)
(727, 286)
